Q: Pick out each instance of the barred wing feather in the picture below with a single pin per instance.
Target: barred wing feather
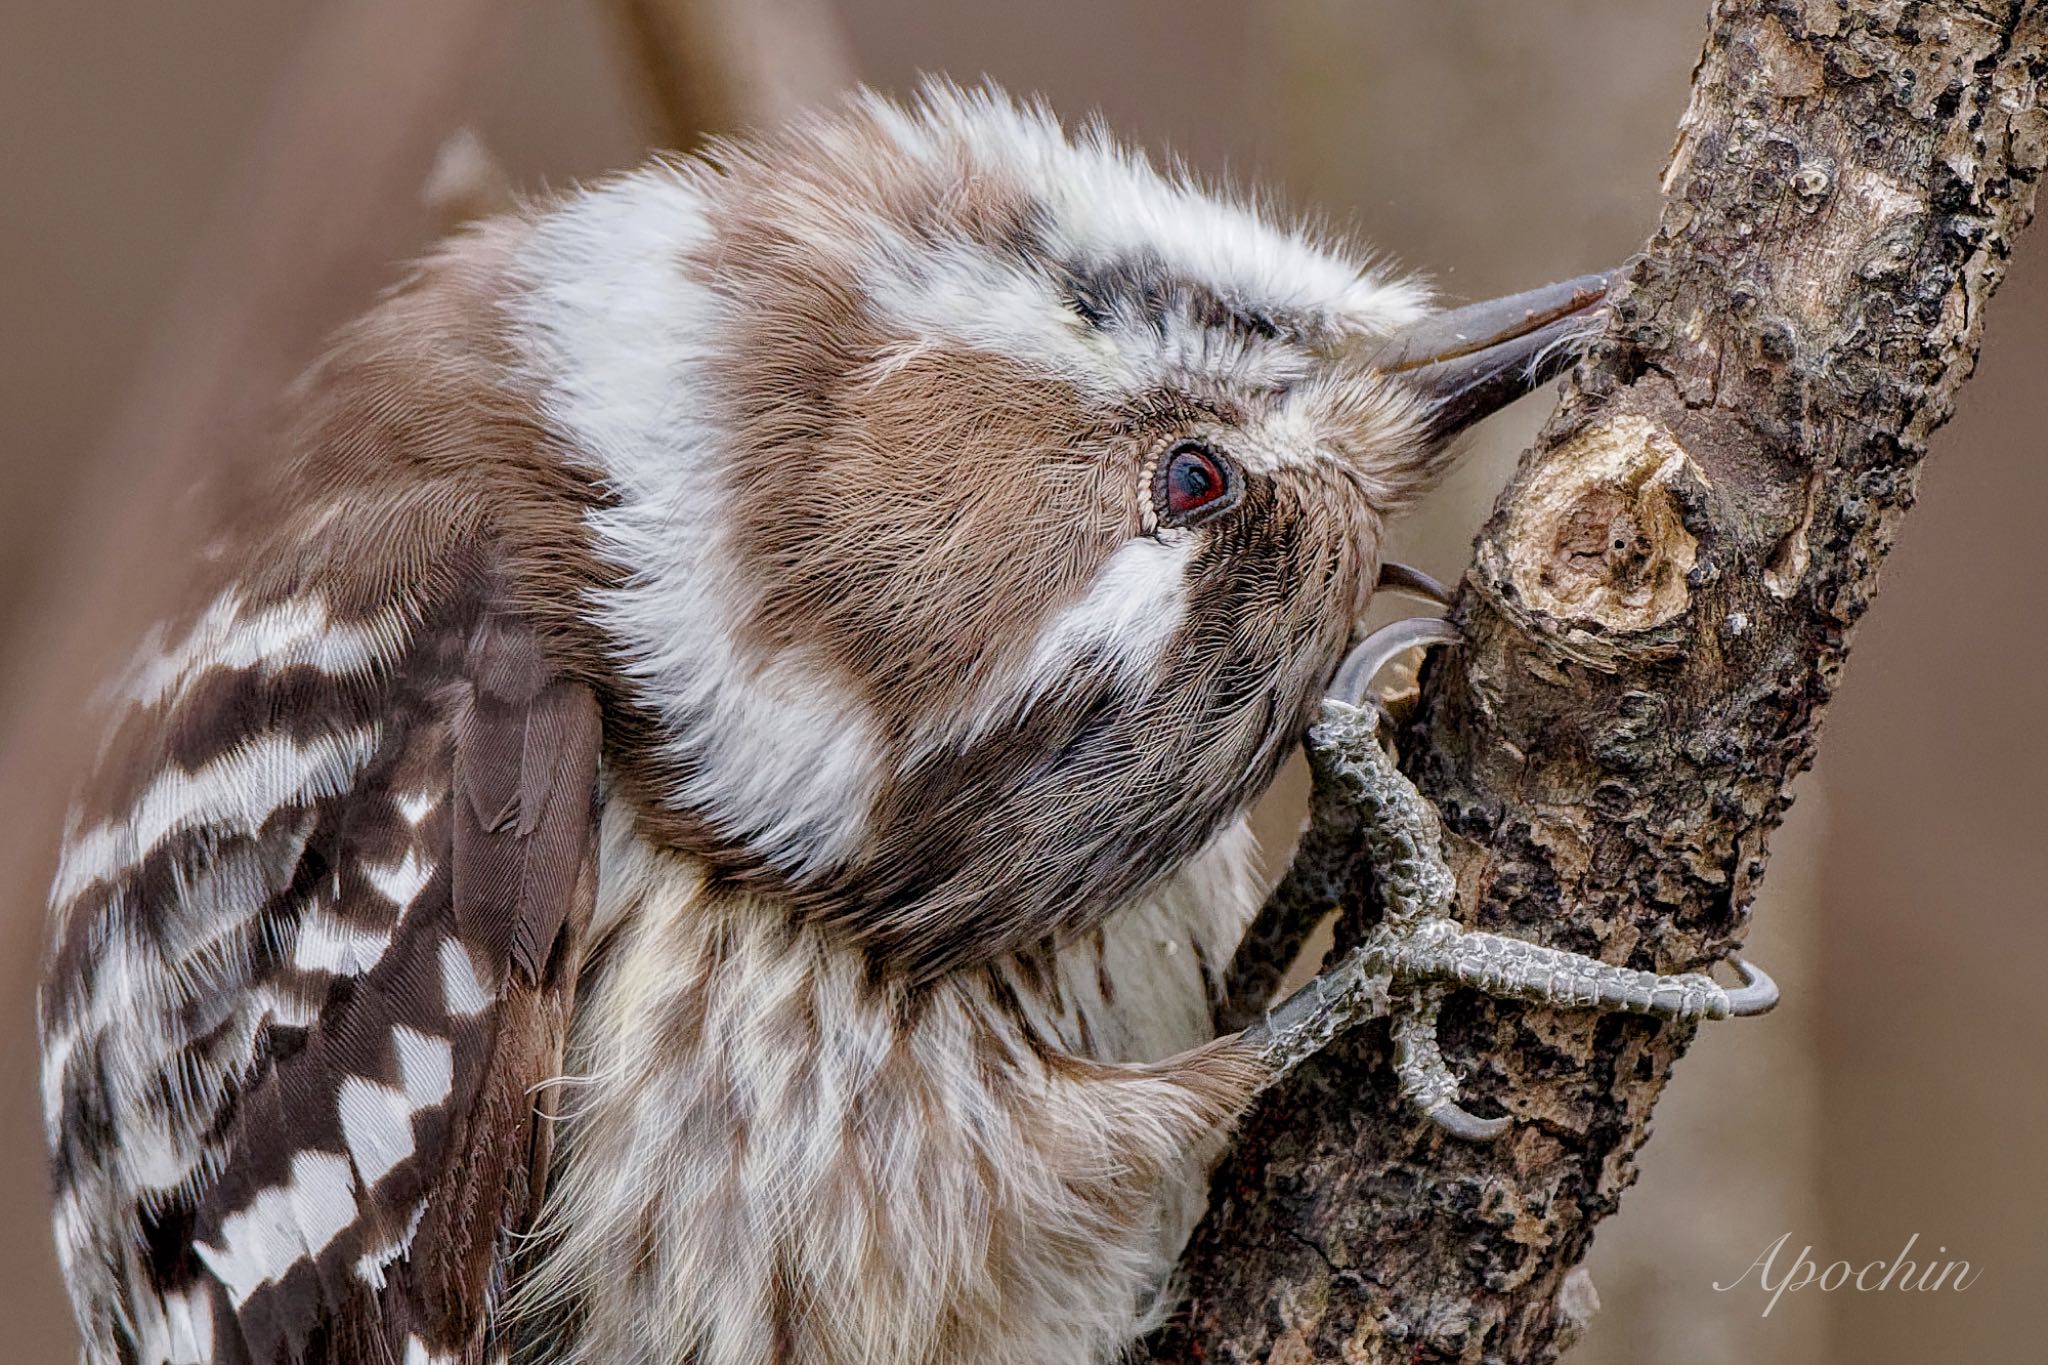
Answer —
(317, 926)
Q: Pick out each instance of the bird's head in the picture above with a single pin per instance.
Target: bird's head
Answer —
(991, 509)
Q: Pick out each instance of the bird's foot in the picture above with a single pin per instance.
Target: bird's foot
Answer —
(1417, 952)
(1423, 960)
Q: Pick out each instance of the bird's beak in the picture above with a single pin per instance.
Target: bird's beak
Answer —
(1473, 361)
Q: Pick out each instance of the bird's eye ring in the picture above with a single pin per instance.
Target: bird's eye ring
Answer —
(1193, 484)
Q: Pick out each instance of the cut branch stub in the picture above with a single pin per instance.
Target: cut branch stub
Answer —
(1658, 611)
(1598, 556)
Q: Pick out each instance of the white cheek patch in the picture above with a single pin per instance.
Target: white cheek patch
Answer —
(788, 759)
(1134, 606)
(777, 754)
(1130, 614)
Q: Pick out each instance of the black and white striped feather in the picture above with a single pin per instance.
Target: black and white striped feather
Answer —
(315, 945)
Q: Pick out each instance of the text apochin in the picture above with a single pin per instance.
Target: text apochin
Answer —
(1899, 1274)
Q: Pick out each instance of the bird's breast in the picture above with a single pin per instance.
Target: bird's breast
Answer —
(768, 1154)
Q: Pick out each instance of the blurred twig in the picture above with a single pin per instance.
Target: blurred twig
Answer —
(715, 65)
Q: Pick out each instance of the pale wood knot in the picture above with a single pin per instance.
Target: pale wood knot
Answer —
(1599, 545)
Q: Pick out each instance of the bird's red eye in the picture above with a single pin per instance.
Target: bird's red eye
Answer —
(1192, 481)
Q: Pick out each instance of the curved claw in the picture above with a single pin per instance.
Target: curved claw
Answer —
(1757, 993)
(1413, 581)
(1377, 650)
(1460, 1122)
(1419, 1064)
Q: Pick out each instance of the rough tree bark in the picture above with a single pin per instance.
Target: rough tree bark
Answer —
(1656, 615)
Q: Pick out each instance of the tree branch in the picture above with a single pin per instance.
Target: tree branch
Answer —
(1656, 615)
(713, 66)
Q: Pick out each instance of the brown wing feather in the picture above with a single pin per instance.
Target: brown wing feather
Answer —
(396, 1001)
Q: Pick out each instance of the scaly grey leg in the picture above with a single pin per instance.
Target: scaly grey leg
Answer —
(1419, 1065)
(1417, 950)
(1326, 861)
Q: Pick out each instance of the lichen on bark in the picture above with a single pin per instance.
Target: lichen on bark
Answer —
(1656, 615)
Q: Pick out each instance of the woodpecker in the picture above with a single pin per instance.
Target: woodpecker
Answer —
(699, 816)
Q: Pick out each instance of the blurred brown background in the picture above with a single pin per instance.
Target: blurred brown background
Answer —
(1900, 1089)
